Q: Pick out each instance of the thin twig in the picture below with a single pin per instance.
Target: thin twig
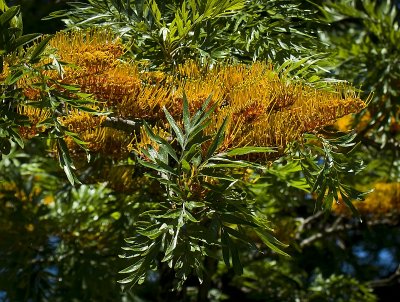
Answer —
(337, 228)
(122, 124)
(306, 222)
(393, 278)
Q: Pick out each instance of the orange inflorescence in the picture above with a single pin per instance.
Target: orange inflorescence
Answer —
(383, 201)
(348, 122)
(394, 125)
(143, 140)
(90, 51)
(116, 143)
(35, 116)
(89, 128)
(271, 112)
(263, 108)
(5, 73)
(24, 196)
(120, 179)
(345, 123)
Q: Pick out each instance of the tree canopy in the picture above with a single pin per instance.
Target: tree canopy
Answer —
(200, 150)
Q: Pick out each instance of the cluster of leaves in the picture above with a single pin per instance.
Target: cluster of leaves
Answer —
(372, 61)
(159, 32)
(55, 97)
(325, 164)
(55, 237)
(168, 34)
(207, 207)
(11, 40)
(280, 281)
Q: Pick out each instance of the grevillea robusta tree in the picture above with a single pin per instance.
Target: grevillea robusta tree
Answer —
(180, 129)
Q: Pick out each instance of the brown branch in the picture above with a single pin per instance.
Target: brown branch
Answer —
(337, 228)
(326, 232)
(305, 222)
(393, 278)
(123, 124)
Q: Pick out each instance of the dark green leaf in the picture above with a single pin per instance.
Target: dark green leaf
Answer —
(271, 242)
(178, 132)
(235, 219)
(236, 263)
(39, 49)
(25, 39)
(218, 139)
(186, 114)
(10, 13)
(248, 150)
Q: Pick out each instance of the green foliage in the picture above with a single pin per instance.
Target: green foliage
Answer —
(11, 40)
(326, 175)
(198, 204)
(339, 288)
(68, 238)
(372, 59)
(204, 30)
(24, 66)
(284, 282)
(159, 32)
(206, 208)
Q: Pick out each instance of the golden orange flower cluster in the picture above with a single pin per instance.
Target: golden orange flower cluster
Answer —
(36, 193)
(120, 178)
(36, 116)
(263, 108)
(382, 202)
(349, 122)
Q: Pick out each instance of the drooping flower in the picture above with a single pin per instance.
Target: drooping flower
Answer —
(263, 108)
